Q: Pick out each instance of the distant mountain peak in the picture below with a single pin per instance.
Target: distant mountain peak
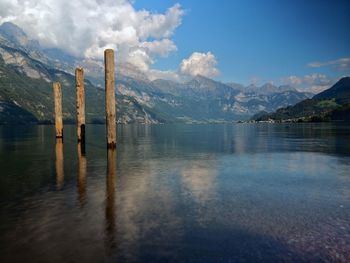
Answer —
(202, 82)
(251, 86)
(286, 88)
(235, 86)
(201, 78)
(268, 85)
(16, 36)
(11, 29)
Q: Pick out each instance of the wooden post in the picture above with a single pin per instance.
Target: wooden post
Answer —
(58, 109)
(79, 83)
(81, 174)
(110, 195)
(110, 99)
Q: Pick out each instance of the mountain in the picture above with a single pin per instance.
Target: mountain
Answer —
(26, 87)
(28, 69)
(265, 89)
(26, 95)
(15, 37)
(339, 91)
(331, 104)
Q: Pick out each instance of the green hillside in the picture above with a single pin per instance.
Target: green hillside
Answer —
(339, 91)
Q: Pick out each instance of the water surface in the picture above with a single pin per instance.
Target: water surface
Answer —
(176, 193)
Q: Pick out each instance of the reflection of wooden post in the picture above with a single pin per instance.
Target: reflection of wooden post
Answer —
(81, 173)
(59, 164)
(79, 82)
(110, 99)
(58, 109)
(110, 196)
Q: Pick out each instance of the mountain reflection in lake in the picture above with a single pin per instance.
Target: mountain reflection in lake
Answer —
(175, 193)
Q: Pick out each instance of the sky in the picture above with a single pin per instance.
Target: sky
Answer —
(305, 44)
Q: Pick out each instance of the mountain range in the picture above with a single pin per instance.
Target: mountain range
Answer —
(332, 104)
(27, 71)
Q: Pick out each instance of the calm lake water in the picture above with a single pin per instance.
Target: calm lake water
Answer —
(176, 193)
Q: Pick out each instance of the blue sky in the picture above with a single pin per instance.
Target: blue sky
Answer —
(256, 40)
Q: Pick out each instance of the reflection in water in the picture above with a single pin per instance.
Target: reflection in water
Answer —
(199, 179)
(59, 164)
(81, 173)
(110, 197)
(187, 193)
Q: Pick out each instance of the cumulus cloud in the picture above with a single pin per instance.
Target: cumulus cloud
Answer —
(339, 64)
(159, 47)
(85, 28)
(200, 64)
(203, 64)
(312, 83)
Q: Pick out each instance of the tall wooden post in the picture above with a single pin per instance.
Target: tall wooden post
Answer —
(110, 99)
(110, 196)
(79, 83)
(58, 109)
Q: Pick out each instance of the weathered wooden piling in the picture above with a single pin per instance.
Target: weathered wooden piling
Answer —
(81, 174)
(110, 99)
(110, 194)
(79, 83)
(58, 109)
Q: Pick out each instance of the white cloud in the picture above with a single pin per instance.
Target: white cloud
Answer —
(197, 64)
(159, 25)
(312, 83)
(200, 64)
(318, 82)
(86, 28)
(165, 74)
(159, 47)
(339, 64)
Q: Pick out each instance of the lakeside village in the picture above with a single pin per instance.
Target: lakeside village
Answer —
(291, 120)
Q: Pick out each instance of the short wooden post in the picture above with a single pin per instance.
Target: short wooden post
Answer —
(58, 109)
(110, 99)
(79, 83)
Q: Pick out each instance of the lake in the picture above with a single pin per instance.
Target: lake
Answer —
(176, 193)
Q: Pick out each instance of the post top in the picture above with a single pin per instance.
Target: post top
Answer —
(109, 50)
(79, 69)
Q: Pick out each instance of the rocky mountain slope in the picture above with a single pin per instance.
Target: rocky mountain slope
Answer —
(26, 76)
(28, 99)
(27, 71)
